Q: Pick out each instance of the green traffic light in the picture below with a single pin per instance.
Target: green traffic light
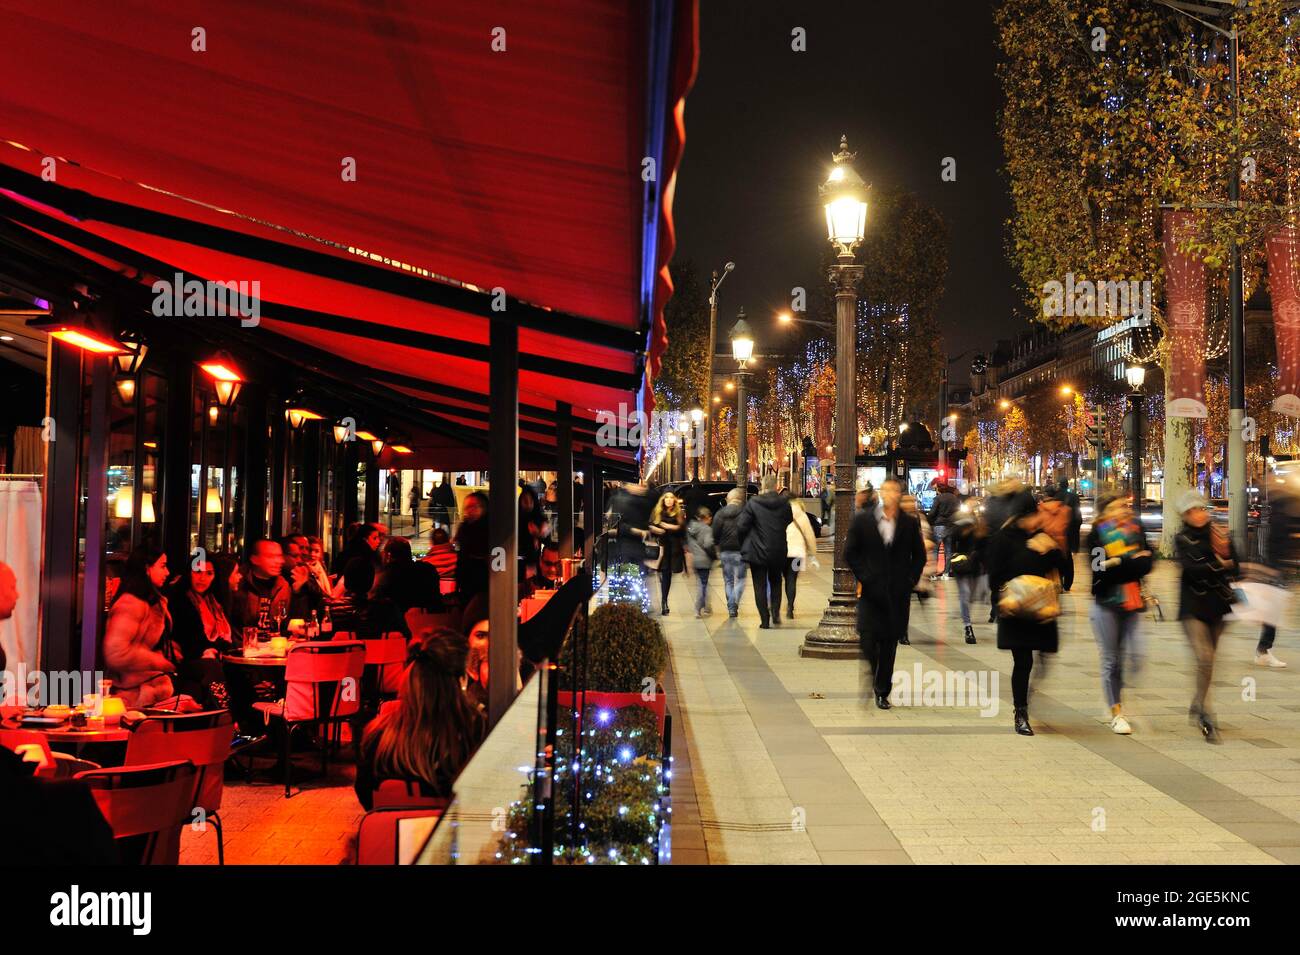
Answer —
(1107, 462)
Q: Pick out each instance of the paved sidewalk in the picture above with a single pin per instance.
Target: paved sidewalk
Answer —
(789, 766)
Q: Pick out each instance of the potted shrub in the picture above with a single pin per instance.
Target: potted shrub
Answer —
(626, 658)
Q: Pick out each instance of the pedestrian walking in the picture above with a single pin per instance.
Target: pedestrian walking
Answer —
(1120, 558)
(886, 553)
(1021, 563)
(923, 586)
(1071, 500)
(700, 548)
(629, 514)
(668, 528)
(762, 525)
(1283, 550)
(967, 539)
(1205, 596)
(800, 548)
(726, 537)
(942, 515)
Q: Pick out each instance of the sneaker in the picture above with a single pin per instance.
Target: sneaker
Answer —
(1120, 725)
(708, 611)
(1266, 659)
(699, 615)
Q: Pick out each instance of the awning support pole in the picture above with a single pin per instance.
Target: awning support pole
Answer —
(503, 518)
(564, 475)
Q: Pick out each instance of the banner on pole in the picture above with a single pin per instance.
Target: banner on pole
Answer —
(1185, 293)
(1284, 289)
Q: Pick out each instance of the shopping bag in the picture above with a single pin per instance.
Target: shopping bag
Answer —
(1259, 603)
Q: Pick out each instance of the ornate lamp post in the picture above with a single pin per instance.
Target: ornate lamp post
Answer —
(697, 418)
(844, 196)
(1136, 375)
(713, 344)
(742, 349)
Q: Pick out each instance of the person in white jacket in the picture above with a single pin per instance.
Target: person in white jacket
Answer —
(800, 549)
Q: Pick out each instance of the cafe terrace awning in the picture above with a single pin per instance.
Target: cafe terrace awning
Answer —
(521, 154)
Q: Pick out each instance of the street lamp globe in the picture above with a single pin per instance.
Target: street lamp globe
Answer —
(742, 340)
(697, 415)
(1136, 375)
(844, 196)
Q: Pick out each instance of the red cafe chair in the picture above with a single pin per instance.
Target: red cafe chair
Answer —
(378, 836)
(322, 688)
(203, 739)
(32, 746)
(145, 806)
(405, 794)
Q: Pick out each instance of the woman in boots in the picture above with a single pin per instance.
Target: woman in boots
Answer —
(966, 543)
(1019, 549)
(1120, 558)
(668, 529)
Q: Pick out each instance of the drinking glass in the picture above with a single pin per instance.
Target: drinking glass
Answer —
(250, 638)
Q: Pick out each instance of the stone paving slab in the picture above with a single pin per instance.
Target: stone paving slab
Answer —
(791, 766)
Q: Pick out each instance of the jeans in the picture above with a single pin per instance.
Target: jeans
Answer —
(702, 598)
(968, 586)
(1117, 641)
(767, 580)
(1204, 638)
(733, 579)
(940, 543)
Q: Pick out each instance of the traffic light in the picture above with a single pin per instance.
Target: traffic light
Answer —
(1108, 462)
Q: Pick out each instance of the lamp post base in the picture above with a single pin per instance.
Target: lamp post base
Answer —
(836, 636)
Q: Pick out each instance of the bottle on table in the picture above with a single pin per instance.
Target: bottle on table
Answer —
(312, 631)
(327, 624)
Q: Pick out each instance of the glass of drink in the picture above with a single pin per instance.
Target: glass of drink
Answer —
(250, 639)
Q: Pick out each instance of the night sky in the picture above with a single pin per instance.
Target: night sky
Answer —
(910, 83)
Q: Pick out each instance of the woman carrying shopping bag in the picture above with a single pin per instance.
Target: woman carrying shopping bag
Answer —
(800, 549)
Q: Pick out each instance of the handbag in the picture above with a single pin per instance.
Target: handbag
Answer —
(654, 553)
(1029, 597)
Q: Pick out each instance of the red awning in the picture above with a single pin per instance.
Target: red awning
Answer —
(477, 168)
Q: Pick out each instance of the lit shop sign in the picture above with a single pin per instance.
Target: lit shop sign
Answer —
(1120, 327)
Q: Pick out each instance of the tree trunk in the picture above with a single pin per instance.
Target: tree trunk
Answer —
(1179, 472)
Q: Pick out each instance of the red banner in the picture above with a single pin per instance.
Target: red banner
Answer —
(1185, 292)
(823, 408)
(1284, 289)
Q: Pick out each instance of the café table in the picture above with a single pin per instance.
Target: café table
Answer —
(66, 733)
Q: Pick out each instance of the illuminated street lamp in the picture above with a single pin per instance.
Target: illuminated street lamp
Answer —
(1136, 375)
(697, 418)
(844, 200)
(742, 349)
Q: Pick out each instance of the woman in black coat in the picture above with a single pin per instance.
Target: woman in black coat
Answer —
(668, 529)
(1010, 554)
(1209, 563)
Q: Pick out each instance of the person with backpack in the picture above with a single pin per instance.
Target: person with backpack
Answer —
(1120, 558)
(726, 537)
(1021, 561)
(942, 515)
(967, 541)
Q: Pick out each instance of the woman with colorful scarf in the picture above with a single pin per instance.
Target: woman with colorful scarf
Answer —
(1120, 558)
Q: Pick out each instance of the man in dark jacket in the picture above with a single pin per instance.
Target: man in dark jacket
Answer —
(942, 515)
(886, 553)
(762, 525)
(630, 508)
(403, 584)
(726, 535)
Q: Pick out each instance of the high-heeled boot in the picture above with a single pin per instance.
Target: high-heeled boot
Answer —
(1022, 721)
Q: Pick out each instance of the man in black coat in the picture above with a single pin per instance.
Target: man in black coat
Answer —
(886, 553)
(1071, 500)
(762, 525)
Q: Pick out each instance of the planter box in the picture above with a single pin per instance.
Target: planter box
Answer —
(616, 701)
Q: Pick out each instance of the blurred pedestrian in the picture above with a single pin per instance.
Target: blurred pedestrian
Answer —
(1283, 550)
(967, 566)
(1209, 563)
(886, 553)
(1120, 558)
(800, 548)
(1071, 500)
(700, 547)
(923, 585)
(1021, 560)
(942, 515)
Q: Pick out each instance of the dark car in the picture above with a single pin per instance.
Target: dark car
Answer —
(712, 493)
